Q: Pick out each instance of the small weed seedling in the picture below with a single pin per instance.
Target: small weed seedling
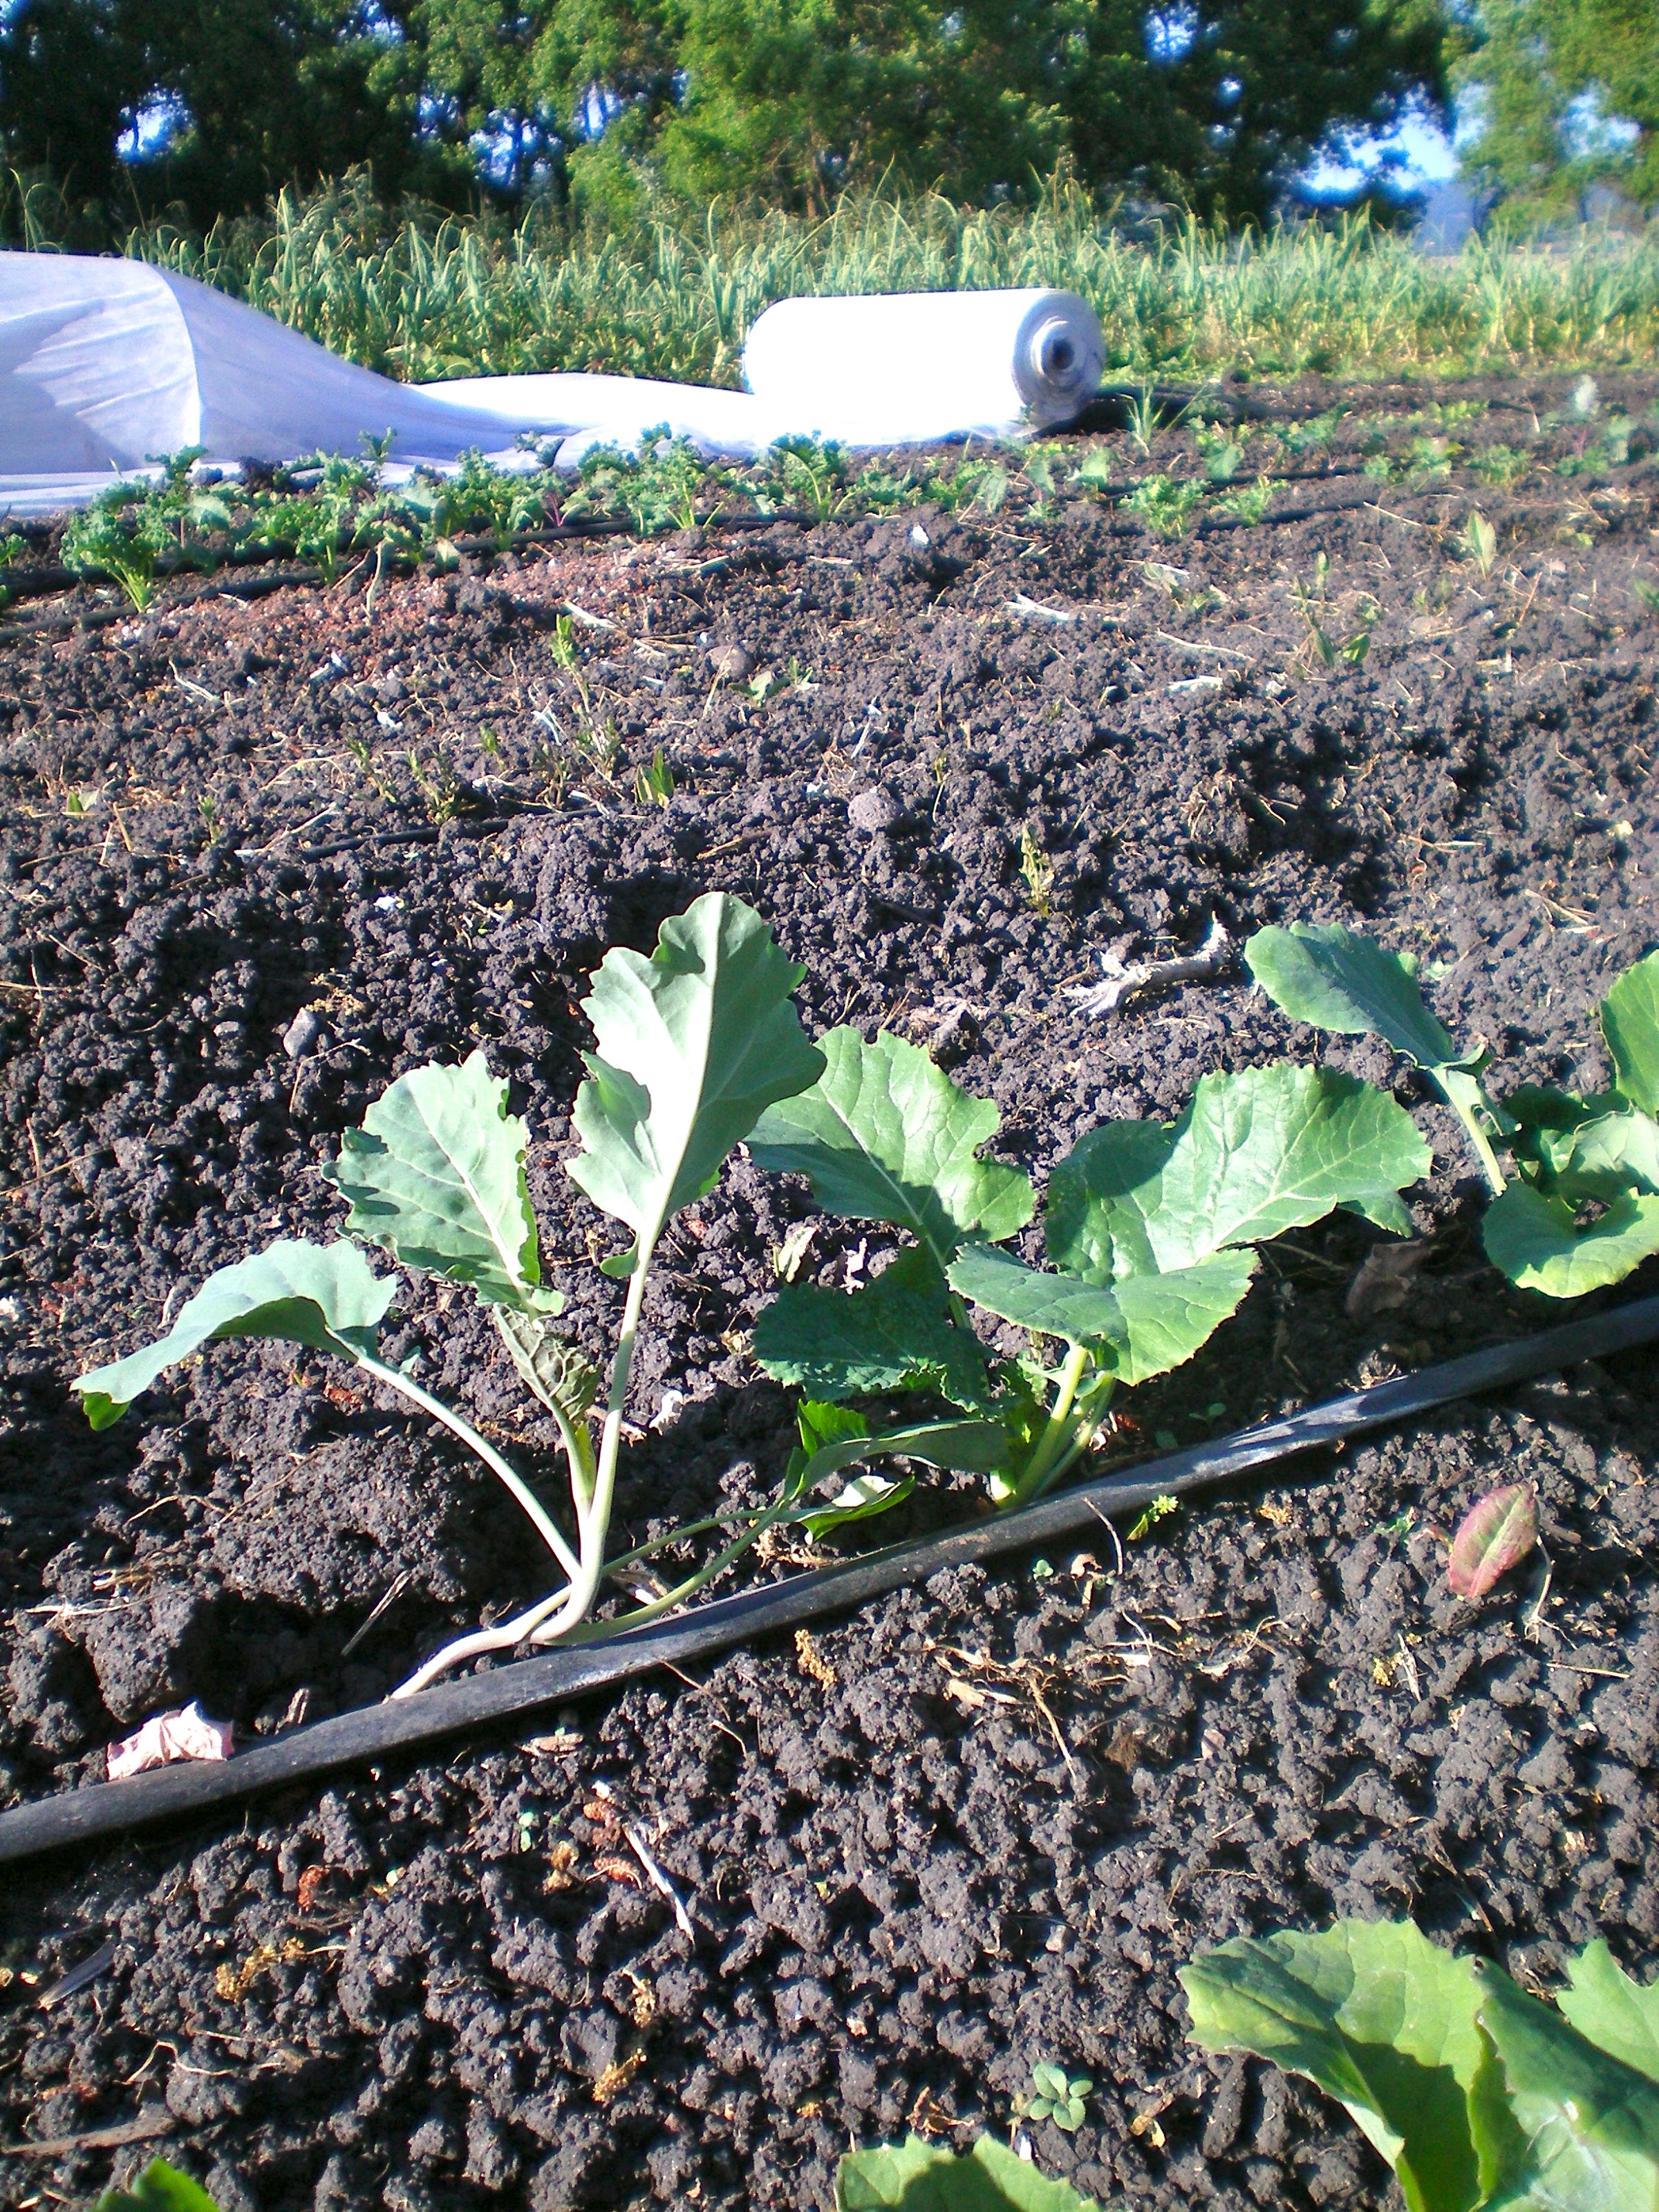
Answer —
(12, 549)
(1312, 606)
(665, 485)
(1247, 503)
(1501, 467)
(653, 781)
(1165, 504)
(1479, 542)
(1038, 871)
(1312, 432)
(1221, 452)
(812, 475)
(1058, 2096)
(1160, 1510)
(1582, 1208)
(127, 530)
(1476, 2093)
(1141, 418)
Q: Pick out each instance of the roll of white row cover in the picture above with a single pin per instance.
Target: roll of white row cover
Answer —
(903, 368)
(108, 365)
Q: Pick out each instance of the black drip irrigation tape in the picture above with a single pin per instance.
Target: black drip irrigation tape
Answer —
(108, 1808)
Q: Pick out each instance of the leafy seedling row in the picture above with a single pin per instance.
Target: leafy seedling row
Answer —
(1150, 1234)
(334, 509)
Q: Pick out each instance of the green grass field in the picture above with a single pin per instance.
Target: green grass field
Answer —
(674, 296)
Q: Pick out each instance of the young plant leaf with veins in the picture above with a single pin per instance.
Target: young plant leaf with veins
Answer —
(1495, 1534)
(436, 1176)
(885, 1135)
(915, 2176)
(1481, 2097)
(325, 1297)
(1337, 981)
(1583, 1211)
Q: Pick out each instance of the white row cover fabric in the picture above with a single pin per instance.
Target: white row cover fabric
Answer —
(907, 367)
(107, 365)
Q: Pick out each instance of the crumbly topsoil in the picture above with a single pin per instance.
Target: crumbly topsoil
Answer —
(980, 1823)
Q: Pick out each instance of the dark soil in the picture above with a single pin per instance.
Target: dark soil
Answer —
(980, 1823)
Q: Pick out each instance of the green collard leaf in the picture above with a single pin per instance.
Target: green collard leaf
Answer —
(885, 1135)
(1630, 1023)
(860, 1499)
(1605, 1155)
(1536, 1242)
(1533, 1106)
(693, 1044)
(1390, 1213)
(1271, 1149)
(1048, 1305)
(1495, 1534)
(159, 2188)
(1340, 981)
(1168, 1317)
(896, 1334)
(1610, 2010)
(320, 1295)
(435, 1175)
(1096, 1226)
(922, 2177)
(821, 1422)
(1590, 2123)
(965, 1447)
(1382, 2019)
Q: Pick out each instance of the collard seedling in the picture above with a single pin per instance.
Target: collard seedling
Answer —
(1477, 2094)
(693, 1045)
(1581, 1210)
(1151, 1230)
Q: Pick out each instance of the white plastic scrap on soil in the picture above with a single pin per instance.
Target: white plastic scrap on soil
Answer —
(167, 1737)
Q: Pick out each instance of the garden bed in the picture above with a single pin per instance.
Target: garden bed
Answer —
(261, 855)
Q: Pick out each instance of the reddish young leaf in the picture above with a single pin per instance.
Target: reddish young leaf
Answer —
(1495, 1534)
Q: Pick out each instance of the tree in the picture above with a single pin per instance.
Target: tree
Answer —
(251, 96)
(1568, 95)
(1215, 105)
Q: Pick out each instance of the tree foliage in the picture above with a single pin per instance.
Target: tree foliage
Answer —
(1210, 104)
(1560, 87)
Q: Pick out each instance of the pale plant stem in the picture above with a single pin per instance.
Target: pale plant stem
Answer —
(669, 1599)
(1482, 1144)
(501, 1638)
(555, 1617)
(1039, 1468)
(545, 1528)
(594, 1519)
(623, 1560)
